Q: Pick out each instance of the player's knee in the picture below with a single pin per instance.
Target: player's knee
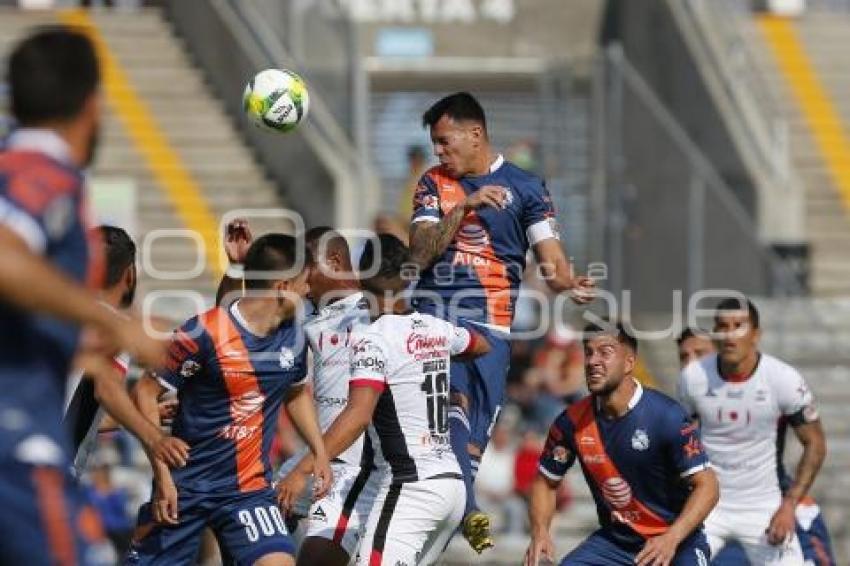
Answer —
(459, 400)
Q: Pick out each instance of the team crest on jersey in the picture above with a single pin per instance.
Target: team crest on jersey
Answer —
(287, 358)
(509, 198)
(189, 368)
(640, 440)
(559, 454)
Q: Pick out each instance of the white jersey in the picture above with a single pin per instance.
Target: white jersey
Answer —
(407, 358)
(739, 424)
(329, 333)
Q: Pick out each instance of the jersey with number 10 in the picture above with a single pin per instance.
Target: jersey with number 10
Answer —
(406, 357)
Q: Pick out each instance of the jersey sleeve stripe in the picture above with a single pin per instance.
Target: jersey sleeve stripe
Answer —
(548, 474)
(474, 340)
(165, 384)
(695, 469)
(375, 383)
(22, 224)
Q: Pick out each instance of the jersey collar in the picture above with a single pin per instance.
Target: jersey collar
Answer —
(497, 163)
(41, 140)
(632, 402)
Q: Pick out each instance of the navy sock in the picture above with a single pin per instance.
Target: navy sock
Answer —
(459, 431)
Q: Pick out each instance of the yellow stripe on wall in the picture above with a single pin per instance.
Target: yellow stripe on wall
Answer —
(811, 95)
(169, 171)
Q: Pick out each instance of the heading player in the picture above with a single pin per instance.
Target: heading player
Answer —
(739, 394)
(232, 368)
(43, 300)
(474, 218)
(642, 459)
(336, 521)
(399, 388)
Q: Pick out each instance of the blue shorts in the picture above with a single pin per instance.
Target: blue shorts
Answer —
(248, 526)
(599, 550)
(815, 542)
(482, 381)
(43, 519)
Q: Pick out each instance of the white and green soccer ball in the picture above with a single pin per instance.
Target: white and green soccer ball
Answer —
(276, 100)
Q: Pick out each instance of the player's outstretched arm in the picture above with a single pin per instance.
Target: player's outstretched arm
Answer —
(302, 412)
(558, 272)
(112, 394)
(31, 283)
(811, 436)
(164, 500)
(428, 240)
(705, 492)
(475, 348)
(541, 511)
(347, 428)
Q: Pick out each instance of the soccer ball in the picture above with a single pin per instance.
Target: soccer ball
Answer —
(276, 100)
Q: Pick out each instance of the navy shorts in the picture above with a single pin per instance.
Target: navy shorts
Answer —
(248, 526)
(43, 518)
(482, 381)
(598, 550)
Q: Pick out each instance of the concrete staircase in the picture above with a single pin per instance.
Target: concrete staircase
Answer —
(825, 36)
(194, 122)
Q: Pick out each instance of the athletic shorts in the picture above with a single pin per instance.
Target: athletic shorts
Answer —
(483, 382)
(599, 548)
(748, 528)
(812, 533)
(411, 523)
(248, 526)
(43, 518)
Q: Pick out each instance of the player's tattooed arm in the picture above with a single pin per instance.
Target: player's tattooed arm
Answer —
(428, 240)
(811, 436)
(705, 492)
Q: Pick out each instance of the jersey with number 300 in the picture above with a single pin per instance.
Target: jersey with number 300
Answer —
(406, 357)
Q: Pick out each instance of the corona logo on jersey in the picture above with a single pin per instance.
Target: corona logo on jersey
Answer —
(617, 492)
(424, 347)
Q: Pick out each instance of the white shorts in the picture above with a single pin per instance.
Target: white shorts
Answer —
(749, 527)
(411, 523)
(340, 515)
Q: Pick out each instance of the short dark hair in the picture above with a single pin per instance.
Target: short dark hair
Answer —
(689, 332)
(739, 304)
(51, 75)
(388, 261)
(611, 328)
(119, 252)
(269, 253)
(460, 106)
(333, 241)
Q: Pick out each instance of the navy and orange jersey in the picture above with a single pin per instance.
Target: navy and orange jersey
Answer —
(636, 465)
(482, 268)
(230, 385)
(42, 201)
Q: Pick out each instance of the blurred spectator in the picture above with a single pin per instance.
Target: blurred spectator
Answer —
(561, 363)
(417, 163)
(494, 484)
(387, 224)
(526, 462)
(523, 154)
(112, 504)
